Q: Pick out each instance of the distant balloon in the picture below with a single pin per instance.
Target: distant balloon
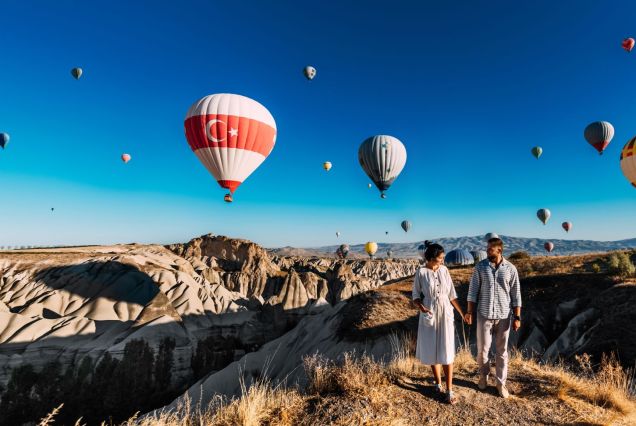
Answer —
(337, 234)
(490, 235)
(389, 253)
(459, 257)
(628, 44)
(628, 161)
(310, 72)
(421, 249)
(231, 135)
(326, 165)
(599, 134)
(406, 225)
(543, 215)
(382, 158)
(537, 151)
(479, 255)
(77, 73)
(549, 246)
(4, 139)
(369, 186)
(344, 250)
(228, 198)
(567, 226)
(52, 208)
(386, 232)
(371, 248)
(125, 158)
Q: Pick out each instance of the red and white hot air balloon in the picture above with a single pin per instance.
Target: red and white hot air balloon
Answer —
(549, 246)
(231, 135)
(125, 158)
(628, 44)
(567, 226)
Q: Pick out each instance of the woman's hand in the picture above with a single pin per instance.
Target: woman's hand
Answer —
(423, 309)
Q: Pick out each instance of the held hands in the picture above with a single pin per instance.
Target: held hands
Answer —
(516, 325)
(468, 318)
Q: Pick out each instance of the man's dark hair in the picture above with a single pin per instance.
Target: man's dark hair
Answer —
(496, 242)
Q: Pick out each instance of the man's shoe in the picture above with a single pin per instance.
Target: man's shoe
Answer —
(503, 392)
(483, 382)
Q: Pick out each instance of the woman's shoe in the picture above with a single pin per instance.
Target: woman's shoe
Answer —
(451, 398)
(438, 388)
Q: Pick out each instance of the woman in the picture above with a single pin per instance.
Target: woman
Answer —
(434, 295)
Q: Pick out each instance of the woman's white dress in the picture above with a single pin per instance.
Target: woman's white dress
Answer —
(435, 335)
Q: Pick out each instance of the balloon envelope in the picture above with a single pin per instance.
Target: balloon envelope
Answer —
(548, 246)
(125, 158)
(543, 215)
(628, 44)
(421, 249)
(326, 165)
(231, 135)
(599, 134)
(371, 248)
(406, 225)
(310, 72)
(382, 158)
(537, 151)
(567, 226)
(459, 257)
(389, 253)
(628, 161)
(490, 235)
(76, 73)
(479, 255)
(337, 234)
(4, 139)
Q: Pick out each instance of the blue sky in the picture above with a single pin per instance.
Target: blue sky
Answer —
(468, 88)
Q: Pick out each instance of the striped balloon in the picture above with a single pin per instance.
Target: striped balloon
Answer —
(231, 135)
(479, 255)
(490, 235)
(628, 161)
(406, 225)
(459, 257)
(382, 158)
(4, 140)
(599, 134)
(544, 215)
(421, 249)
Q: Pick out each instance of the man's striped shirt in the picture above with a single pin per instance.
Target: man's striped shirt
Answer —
(495, 289)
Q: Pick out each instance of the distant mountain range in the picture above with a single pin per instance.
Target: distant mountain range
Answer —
(533, 246)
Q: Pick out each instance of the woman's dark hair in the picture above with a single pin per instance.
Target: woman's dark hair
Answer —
(432, 250)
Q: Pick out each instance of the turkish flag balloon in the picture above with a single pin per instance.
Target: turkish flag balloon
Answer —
(628, 44)
(231, 135)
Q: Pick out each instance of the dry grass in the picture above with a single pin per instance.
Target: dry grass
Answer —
(359, 390)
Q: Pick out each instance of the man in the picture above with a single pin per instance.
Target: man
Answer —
(494, 288)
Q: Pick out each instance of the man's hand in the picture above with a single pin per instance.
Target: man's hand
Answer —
(516, 325)
(468, 317)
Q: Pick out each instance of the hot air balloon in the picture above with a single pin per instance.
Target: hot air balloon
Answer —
(52, 208)
(337, 234)
(459, 257)
(406, 225)
(125, 158)
(369, 186)
(371, 248)
(421, 249)
(382, 158)
(326, 165)
(4, 139)
(490, 235)
(310, 72)
(386, 232)
(628, 44)
(549, 246)
(537, 151)
(599, 134)
(628, 161)
(389, 253)
(567, 226)
(479, 255)
(543, 215)
(231, 135)
(344, 250)
(76, 73)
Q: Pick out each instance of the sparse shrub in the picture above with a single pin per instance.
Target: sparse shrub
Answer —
(621, 265)
(596, 268)
(519, 255)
